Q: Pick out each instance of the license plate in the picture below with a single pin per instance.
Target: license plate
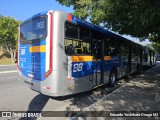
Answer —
(29, 83)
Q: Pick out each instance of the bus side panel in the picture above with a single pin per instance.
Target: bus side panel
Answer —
(59, 57)
(79, 76)
(50, 85)
(55, 83)
(124, 67)
(148, 57)
(134, 63)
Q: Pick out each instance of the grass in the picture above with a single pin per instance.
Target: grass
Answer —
(5, 58)
(5, 61)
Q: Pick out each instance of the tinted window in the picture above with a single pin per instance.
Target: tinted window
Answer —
(77, 40)
(33, 30)
(97, 38)
(84, 34)
(71, 31)
(112, 47)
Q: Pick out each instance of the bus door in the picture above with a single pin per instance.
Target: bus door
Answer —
(150, 57)
(97, 62)
(141, 56)
(129, 58)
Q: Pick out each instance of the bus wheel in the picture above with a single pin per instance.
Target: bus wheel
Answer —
(112, 78)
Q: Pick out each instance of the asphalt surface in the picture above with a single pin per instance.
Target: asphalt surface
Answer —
(16, 97)
(142, 94)
(8, 67)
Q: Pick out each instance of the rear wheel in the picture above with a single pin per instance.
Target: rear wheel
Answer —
(112, 78)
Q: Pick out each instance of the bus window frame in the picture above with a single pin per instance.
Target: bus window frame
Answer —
(77, 40)
(35, 40)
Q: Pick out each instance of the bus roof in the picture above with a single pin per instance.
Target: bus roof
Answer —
(36, 15)
(97, 28)
(86, 24)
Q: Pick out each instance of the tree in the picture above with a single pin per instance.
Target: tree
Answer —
(9, 35)
(156, 46)
(138, 18)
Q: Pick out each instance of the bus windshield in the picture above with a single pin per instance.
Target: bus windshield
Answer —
(35, 29)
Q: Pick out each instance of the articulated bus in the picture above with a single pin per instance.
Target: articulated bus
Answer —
(149, 58)
(60, 54)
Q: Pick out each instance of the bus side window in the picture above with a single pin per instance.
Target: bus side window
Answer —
(97, 44)
(85, 51)
(70, 49)
(123, 50)
(77, 39)
(77, 47)
(85, 36)
(106, 47)
(114, 48)
(71, 35)
(145, 57)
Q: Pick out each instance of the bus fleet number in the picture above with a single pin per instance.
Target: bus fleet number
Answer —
(78, 67)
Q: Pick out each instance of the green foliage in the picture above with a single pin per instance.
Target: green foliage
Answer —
(9, 35)
(154, 37)
(8, 32)
(156, 46)
(138, 18)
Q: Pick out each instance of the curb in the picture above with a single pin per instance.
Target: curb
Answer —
(8, 65)
(12, 71)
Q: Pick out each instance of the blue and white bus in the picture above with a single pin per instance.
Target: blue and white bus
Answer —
(60, 54)
(149, 56)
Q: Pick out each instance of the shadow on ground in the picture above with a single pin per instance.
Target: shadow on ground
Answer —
(141, 92)
(36, 105)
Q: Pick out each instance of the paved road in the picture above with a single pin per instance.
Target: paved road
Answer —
(139, 94)
(8, 67)
(16, 97)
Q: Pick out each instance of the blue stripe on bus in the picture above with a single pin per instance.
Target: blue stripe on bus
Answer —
(88, 68)
(92, 67)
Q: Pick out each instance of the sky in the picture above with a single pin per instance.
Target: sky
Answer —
(23, 9)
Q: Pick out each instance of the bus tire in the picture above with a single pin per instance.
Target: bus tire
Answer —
(112, 78)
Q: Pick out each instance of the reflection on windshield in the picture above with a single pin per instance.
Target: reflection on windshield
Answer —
(33, 30)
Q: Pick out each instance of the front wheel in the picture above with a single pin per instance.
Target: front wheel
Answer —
(112, 78)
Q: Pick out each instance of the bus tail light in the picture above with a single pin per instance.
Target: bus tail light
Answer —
(51, 47)
(69, 17)
(47, 87)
